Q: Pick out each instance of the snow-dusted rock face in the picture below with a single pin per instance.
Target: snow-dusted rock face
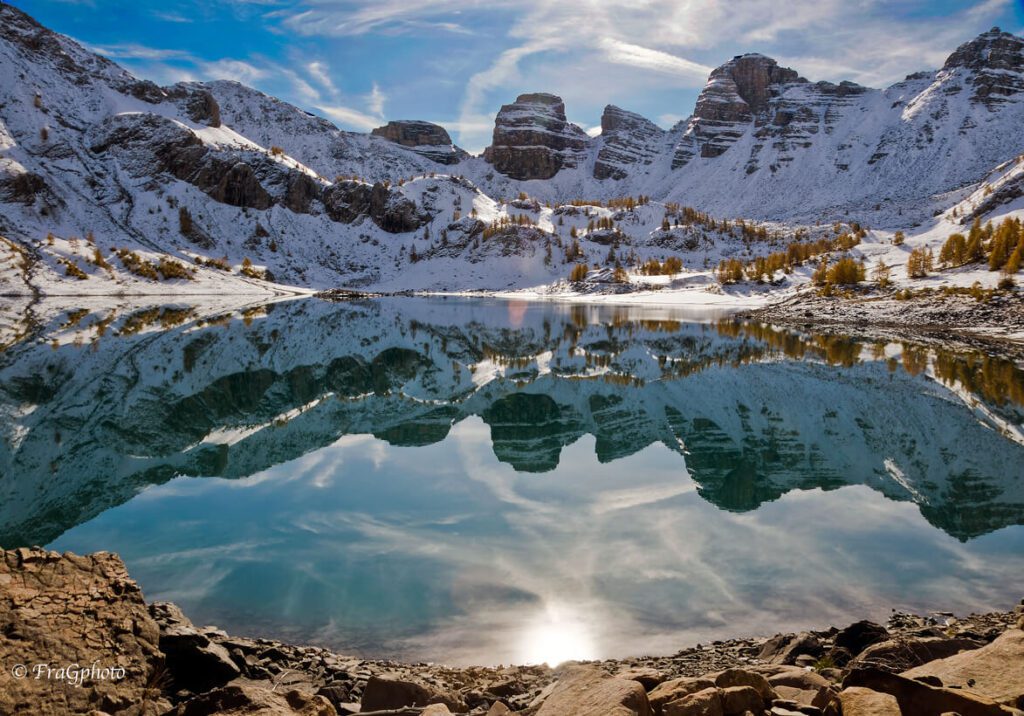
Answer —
(737, 94)
(533, 140)
(425, 138)
(997, 61)
(628, 142)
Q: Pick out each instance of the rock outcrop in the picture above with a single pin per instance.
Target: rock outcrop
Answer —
(533, 140)
(996, 59)
(628, 142)
(75, 635)
(348, 201)
(425, 138)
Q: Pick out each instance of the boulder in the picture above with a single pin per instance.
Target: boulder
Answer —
(798, 678)
(858, 701)
(248, 698)
(707, 702)
(737, 700)
(786, 648)
(61, 610)
(860, 635)
(675, 689)
(648, 678)
(995, 671)
(907, 652)
(390, 692)
(498, 709)
(585, 691)
(196, 663)
(920, 699)
(741, 677)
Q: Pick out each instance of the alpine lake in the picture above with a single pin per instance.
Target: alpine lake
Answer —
(481, 481)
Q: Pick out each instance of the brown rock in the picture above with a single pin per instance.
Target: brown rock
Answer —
(254, 699)
(860, 635)
(436, 710)
(59, 610)
(707, 702)
(741, 677)
(921, 699)
(907, 652)
(648, 678)
(798, 678)
(675, 689)
(737, 699)
(785, 649)
(858, 701)
(585, 691)
(995, 671)
(498, 709)
(389, 692)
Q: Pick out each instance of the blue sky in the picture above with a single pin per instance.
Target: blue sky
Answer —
(455, 62)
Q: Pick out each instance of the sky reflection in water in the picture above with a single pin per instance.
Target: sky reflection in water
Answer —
(444, 552)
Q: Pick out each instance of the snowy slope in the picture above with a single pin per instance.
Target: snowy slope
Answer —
(248, 194)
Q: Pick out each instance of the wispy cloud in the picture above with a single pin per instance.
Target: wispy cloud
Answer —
(351, 117)
(645, 58)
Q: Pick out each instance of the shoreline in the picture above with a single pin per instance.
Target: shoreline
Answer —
(56, 608)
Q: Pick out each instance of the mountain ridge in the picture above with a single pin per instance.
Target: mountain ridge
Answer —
(239, 189)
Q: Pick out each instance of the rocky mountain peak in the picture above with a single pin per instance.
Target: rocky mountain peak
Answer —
(996, 59)
(753, 78)
(994, 49)
(532, 138)
(628, 140)
(425, 138)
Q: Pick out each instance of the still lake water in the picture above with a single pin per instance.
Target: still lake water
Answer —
(480, 481)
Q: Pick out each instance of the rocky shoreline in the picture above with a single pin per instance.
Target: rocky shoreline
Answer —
(994, 325)
(77, 637)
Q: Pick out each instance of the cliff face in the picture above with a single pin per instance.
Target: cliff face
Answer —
(426, 139)
(629, 143)
(533, 140)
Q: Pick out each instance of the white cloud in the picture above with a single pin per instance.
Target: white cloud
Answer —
(228, 69)
(375, 101)
(351, 117)
(320, 72)
(645, 58)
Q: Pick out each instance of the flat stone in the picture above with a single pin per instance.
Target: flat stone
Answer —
(858, 701)
(585, 691)
(995, 671)
(675, 689)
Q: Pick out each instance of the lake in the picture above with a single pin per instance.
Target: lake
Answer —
(488, 481)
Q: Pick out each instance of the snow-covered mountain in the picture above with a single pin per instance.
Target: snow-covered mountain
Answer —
(100, 404)
(111, 184)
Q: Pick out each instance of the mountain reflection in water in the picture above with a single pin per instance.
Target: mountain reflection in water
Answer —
(481, 480)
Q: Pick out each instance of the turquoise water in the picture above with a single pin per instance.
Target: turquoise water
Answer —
(483, 482)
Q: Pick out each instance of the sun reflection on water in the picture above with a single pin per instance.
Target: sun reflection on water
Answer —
(557, 635)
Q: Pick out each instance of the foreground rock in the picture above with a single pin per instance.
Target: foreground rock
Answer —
(63, 617)
(585, 691)
(58, 609)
